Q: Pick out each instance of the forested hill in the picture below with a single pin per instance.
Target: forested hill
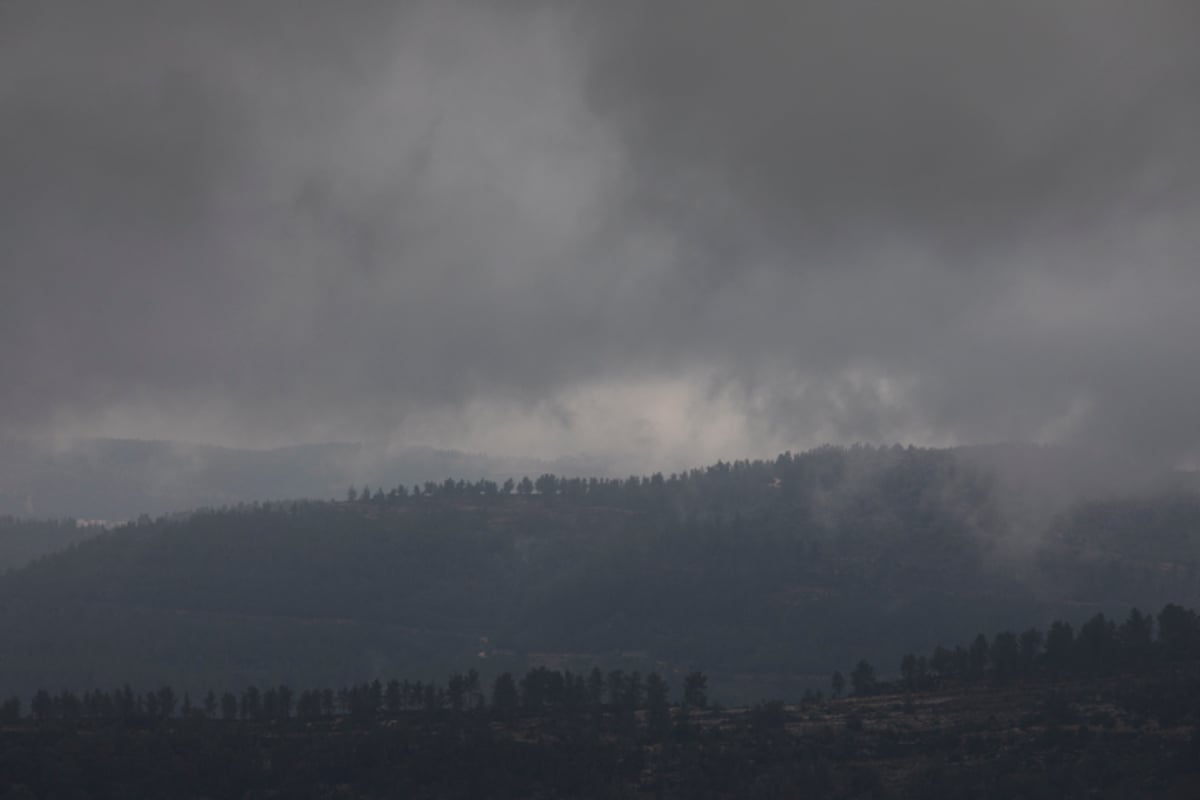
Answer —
(24, 540)
(765, 574)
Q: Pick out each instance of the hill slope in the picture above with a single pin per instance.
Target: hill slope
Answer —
(768, 574)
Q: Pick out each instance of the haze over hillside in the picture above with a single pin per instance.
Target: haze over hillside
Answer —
(702, 343)
(118, 480)
(347, 342)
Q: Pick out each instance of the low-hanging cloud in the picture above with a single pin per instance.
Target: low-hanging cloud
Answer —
(675, 230)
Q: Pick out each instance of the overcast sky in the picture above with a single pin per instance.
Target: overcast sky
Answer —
(669, 231)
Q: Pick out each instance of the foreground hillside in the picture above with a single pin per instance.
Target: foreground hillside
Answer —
(1111, 713)
(1088, 740)
(769, 574)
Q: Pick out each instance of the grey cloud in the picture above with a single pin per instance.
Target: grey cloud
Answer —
(975, 120)
(276, 222)
(987, 209)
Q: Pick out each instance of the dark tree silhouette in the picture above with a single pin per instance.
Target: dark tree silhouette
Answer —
(658, 709)
(1060, 645)
(695, 690)
(505, 699)
(1005, 654)
(862, 678)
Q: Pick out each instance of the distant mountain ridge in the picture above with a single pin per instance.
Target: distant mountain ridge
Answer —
(120, 479)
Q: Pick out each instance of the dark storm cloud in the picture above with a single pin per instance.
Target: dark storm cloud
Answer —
(680, 225)
(287, 213)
